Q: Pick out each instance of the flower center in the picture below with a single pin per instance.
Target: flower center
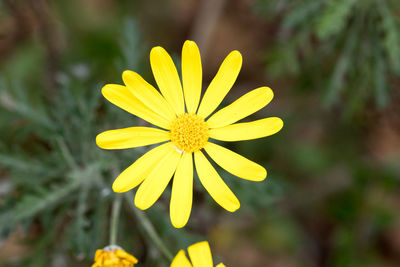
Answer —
(189, 132)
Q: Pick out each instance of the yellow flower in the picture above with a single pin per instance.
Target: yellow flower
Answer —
(113, 256)
(186, 131)
(200, 256)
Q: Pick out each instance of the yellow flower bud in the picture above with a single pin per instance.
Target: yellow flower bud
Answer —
(113, 256)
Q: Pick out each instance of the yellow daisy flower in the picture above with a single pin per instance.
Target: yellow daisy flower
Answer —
(113, 256)
(200, 256)
(186, 131)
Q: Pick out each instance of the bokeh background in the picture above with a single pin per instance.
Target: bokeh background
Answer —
(332, 196)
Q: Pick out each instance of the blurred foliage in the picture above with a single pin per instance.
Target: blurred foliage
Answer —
(348, 49)
(60, 180)
(327, 201)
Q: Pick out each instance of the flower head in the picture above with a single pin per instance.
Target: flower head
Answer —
(185, 128)
(113, 256)
(200, 255)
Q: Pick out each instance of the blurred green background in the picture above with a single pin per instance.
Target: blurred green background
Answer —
(332, 196)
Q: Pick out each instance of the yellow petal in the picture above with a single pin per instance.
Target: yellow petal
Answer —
(131, 137)
(98, 254)
(155, 183)
(241, 108)
(167, 78)
(122, 254)
(182, 192)
(220, 265)
(122, 97)
(248, 130)
(200, 254)
(148, 94)
(139, 170)
(221, 84)
(235, 163)
(191, 75)
(180, 260)
(213, 183)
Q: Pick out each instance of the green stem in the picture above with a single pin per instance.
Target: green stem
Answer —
(148, 227)
(116, 207)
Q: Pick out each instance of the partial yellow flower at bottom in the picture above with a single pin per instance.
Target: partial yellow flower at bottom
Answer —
(113, 256)
(186, 133)
(200, 256)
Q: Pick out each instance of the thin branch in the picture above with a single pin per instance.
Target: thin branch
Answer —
(49, 36)
(148, 227)
(116, 208)
(205, 22)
